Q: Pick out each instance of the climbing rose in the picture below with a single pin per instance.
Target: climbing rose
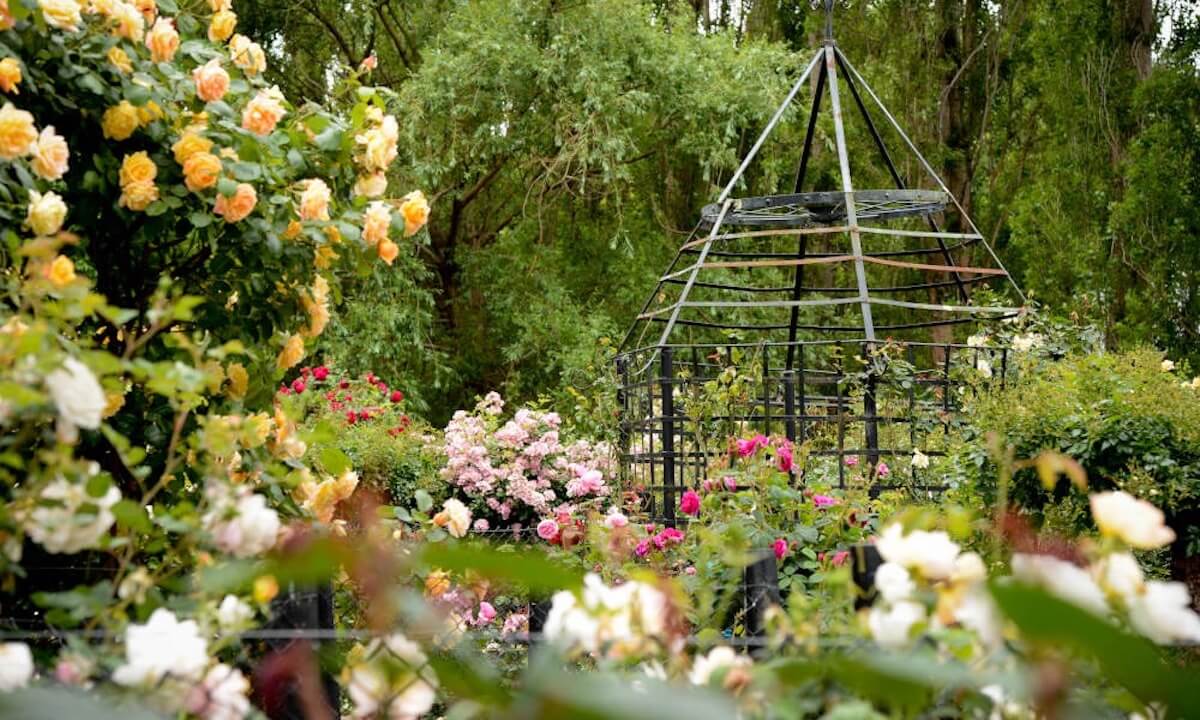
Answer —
(264, 111)
(162, 40)
(16, 666)
(46, 212)
(50, 155)
(547, 529)
(238, 206)
(77, 394)
(415, 210)
(61, 14)
(10, 75)
(212, 82)
(17, 133)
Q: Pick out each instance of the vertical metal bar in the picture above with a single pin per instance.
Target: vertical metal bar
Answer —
(667, 383)
(766, 388)
(803, 403)
(841, 425)
(887, 160)
(871, 418)
(912, 399)
(623, 421)
(848, 189)
(789, 408)
(768, 130)
(946, 390)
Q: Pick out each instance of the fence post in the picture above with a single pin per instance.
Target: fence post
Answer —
(667, 385)
(309, 608)
(760, 590)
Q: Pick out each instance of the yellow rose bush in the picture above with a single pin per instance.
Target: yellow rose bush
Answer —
(170, 222)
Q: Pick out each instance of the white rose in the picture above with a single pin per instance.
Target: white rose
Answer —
(1062, 579)
(162, 647)
(920, 460)
(243, 527)
(232, 613)
(16, 666)
(458, 517)
(969, 568)
(77, 394)
(932, 554)
(221, 695)
(46, 212)
(893, 582)
(891, 625)
(1168, 365)
(977, 612)
(1120, 574)
(394, 682)
(74, 521)
(1135, 522)
(1163, 613)
(718, 659)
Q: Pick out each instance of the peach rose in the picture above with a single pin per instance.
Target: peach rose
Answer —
(119, 59)
(220, 5)
(371, 186)
(222, 25)
(120, 121)
(148, 9)
(10, 75)
(60, 272)
(190, 144)
(137, 167)
(388, 251)
(324, 257)
(201, 171)
(314, 200)
(46, 212)
(163, 40)
(263, 111)
(212, 82)
(379, 145)
(17, 133)
(138, 196)
(237, 206)
(6, 18)
(61, 14)
(50, 155)
(376, 221)
(247, 55)
(130, 24)
(415, 210)
(292, 353)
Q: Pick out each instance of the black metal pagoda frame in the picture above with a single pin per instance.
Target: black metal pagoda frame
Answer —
(835, 310)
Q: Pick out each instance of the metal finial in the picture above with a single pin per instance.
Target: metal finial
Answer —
(829, 19)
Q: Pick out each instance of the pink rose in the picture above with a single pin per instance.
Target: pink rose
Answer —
(481, 525)
(487, 613)
(672, 535)
(882, 470)
(321, 372)
(851, 461)
(839, 557)
(689, 504)
(615, 519)
(748, 447)
(730, 483)
(783, 457)
(642, 549)
(780, 547)
(824, 501)
(547, 530)
(689, 570)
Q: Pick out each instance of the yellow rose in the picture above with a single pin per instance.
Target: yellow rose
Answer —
(437, 583)
(46, 212)
(60, 272)
(239, 380)
(6, 18)
(201, 171)
(324, 257)
(129, 22)
(263, 111)
(17, 133)
(62, 14)
(220, 5)
(331, 232)
(119, 121)
(104, 8)
(293, 230)
(415, 210)
(119, 59)
(388, 251)
(50, 155)
(222, 26)
(247, 55)
(190, 144)
(10, 75)
(138, 196)
(149, 112)
(376, 221)
(148, 8)
(372, 185)
(212, 82)
(137, 167)
(316, 304)
(266, 587)
(237, 206)
(162, 40)
(314, 200)
(292, 353)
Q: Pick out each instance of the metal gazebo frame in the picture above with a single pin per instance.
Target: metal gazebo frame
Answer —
(716, 304)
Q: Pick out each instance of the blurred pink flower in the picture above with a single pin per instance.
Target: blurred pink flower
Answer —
(747, 447)
(689, 504)
(780, 547)
(824, 501)
(882, 470)
(547, 529)
(839, 557)
(851, 461)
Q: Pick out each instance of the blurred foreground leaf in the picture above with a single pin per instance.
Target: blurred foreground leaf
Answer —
(45, 703)
(529, 567)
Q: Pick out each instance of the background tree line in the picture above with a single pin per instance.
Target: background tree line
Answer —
(568, 146)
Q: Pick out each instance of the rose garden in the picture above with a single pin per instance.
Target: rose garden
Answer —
(832, 463)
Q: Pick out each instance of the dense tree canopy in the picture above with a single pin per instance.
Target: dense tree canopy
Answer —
(568, 147)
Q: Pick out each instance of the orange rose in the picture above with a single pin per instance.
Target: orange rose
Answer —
(201, 171)
(162, 40)
(137, 196)
(222, 25)
(376, 221)
(292, 353)
(220, 5)
(190, 144)
(314, 200)
(237, 206)
(137, 167)
(50, 155)
(388, 251)
(17, 133)
(212, 82)
(6, 18)
(10, 75)
(415, 210)
(263, 111)
(61, 271)
(148, 8)
(293, 230)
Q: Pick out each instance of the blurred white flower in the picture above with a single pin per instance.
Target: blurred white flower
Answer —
(1025, 343)
(1168, 365)
(621, 620)
(77, 394)
(162, 647)
(67, 519)
(1062, 579)
(221, 695)
(392, 680)
(920, 460)
(1120, 574)
(232, 613)
(932, 554)
(720, 658)
(1162, 612)
(969, 569)
(891, 625)
(16, 666)
(241, 524)
(984, 366)
(135, 585)
(1135, 522)
(980, 340)
(893, 582)
(977, 612)
(455, 517)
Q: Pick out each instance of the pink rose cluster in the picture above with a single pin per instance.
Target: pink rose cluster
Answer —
(782, 447)
(661, 540)
(521, 466)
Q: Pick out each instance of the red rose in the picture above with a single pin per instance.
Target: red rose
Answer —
(397, 396)
(298, 386)
(344, 384)
(351, 417)
(321, 373)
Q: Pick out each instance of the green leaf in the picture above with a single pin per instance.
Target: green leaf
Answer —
(334, 461)
(530, 567)
(424, 500)
(226, 187)
(246, 172)
(131, 515)
(200, 219)
(57, 703)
